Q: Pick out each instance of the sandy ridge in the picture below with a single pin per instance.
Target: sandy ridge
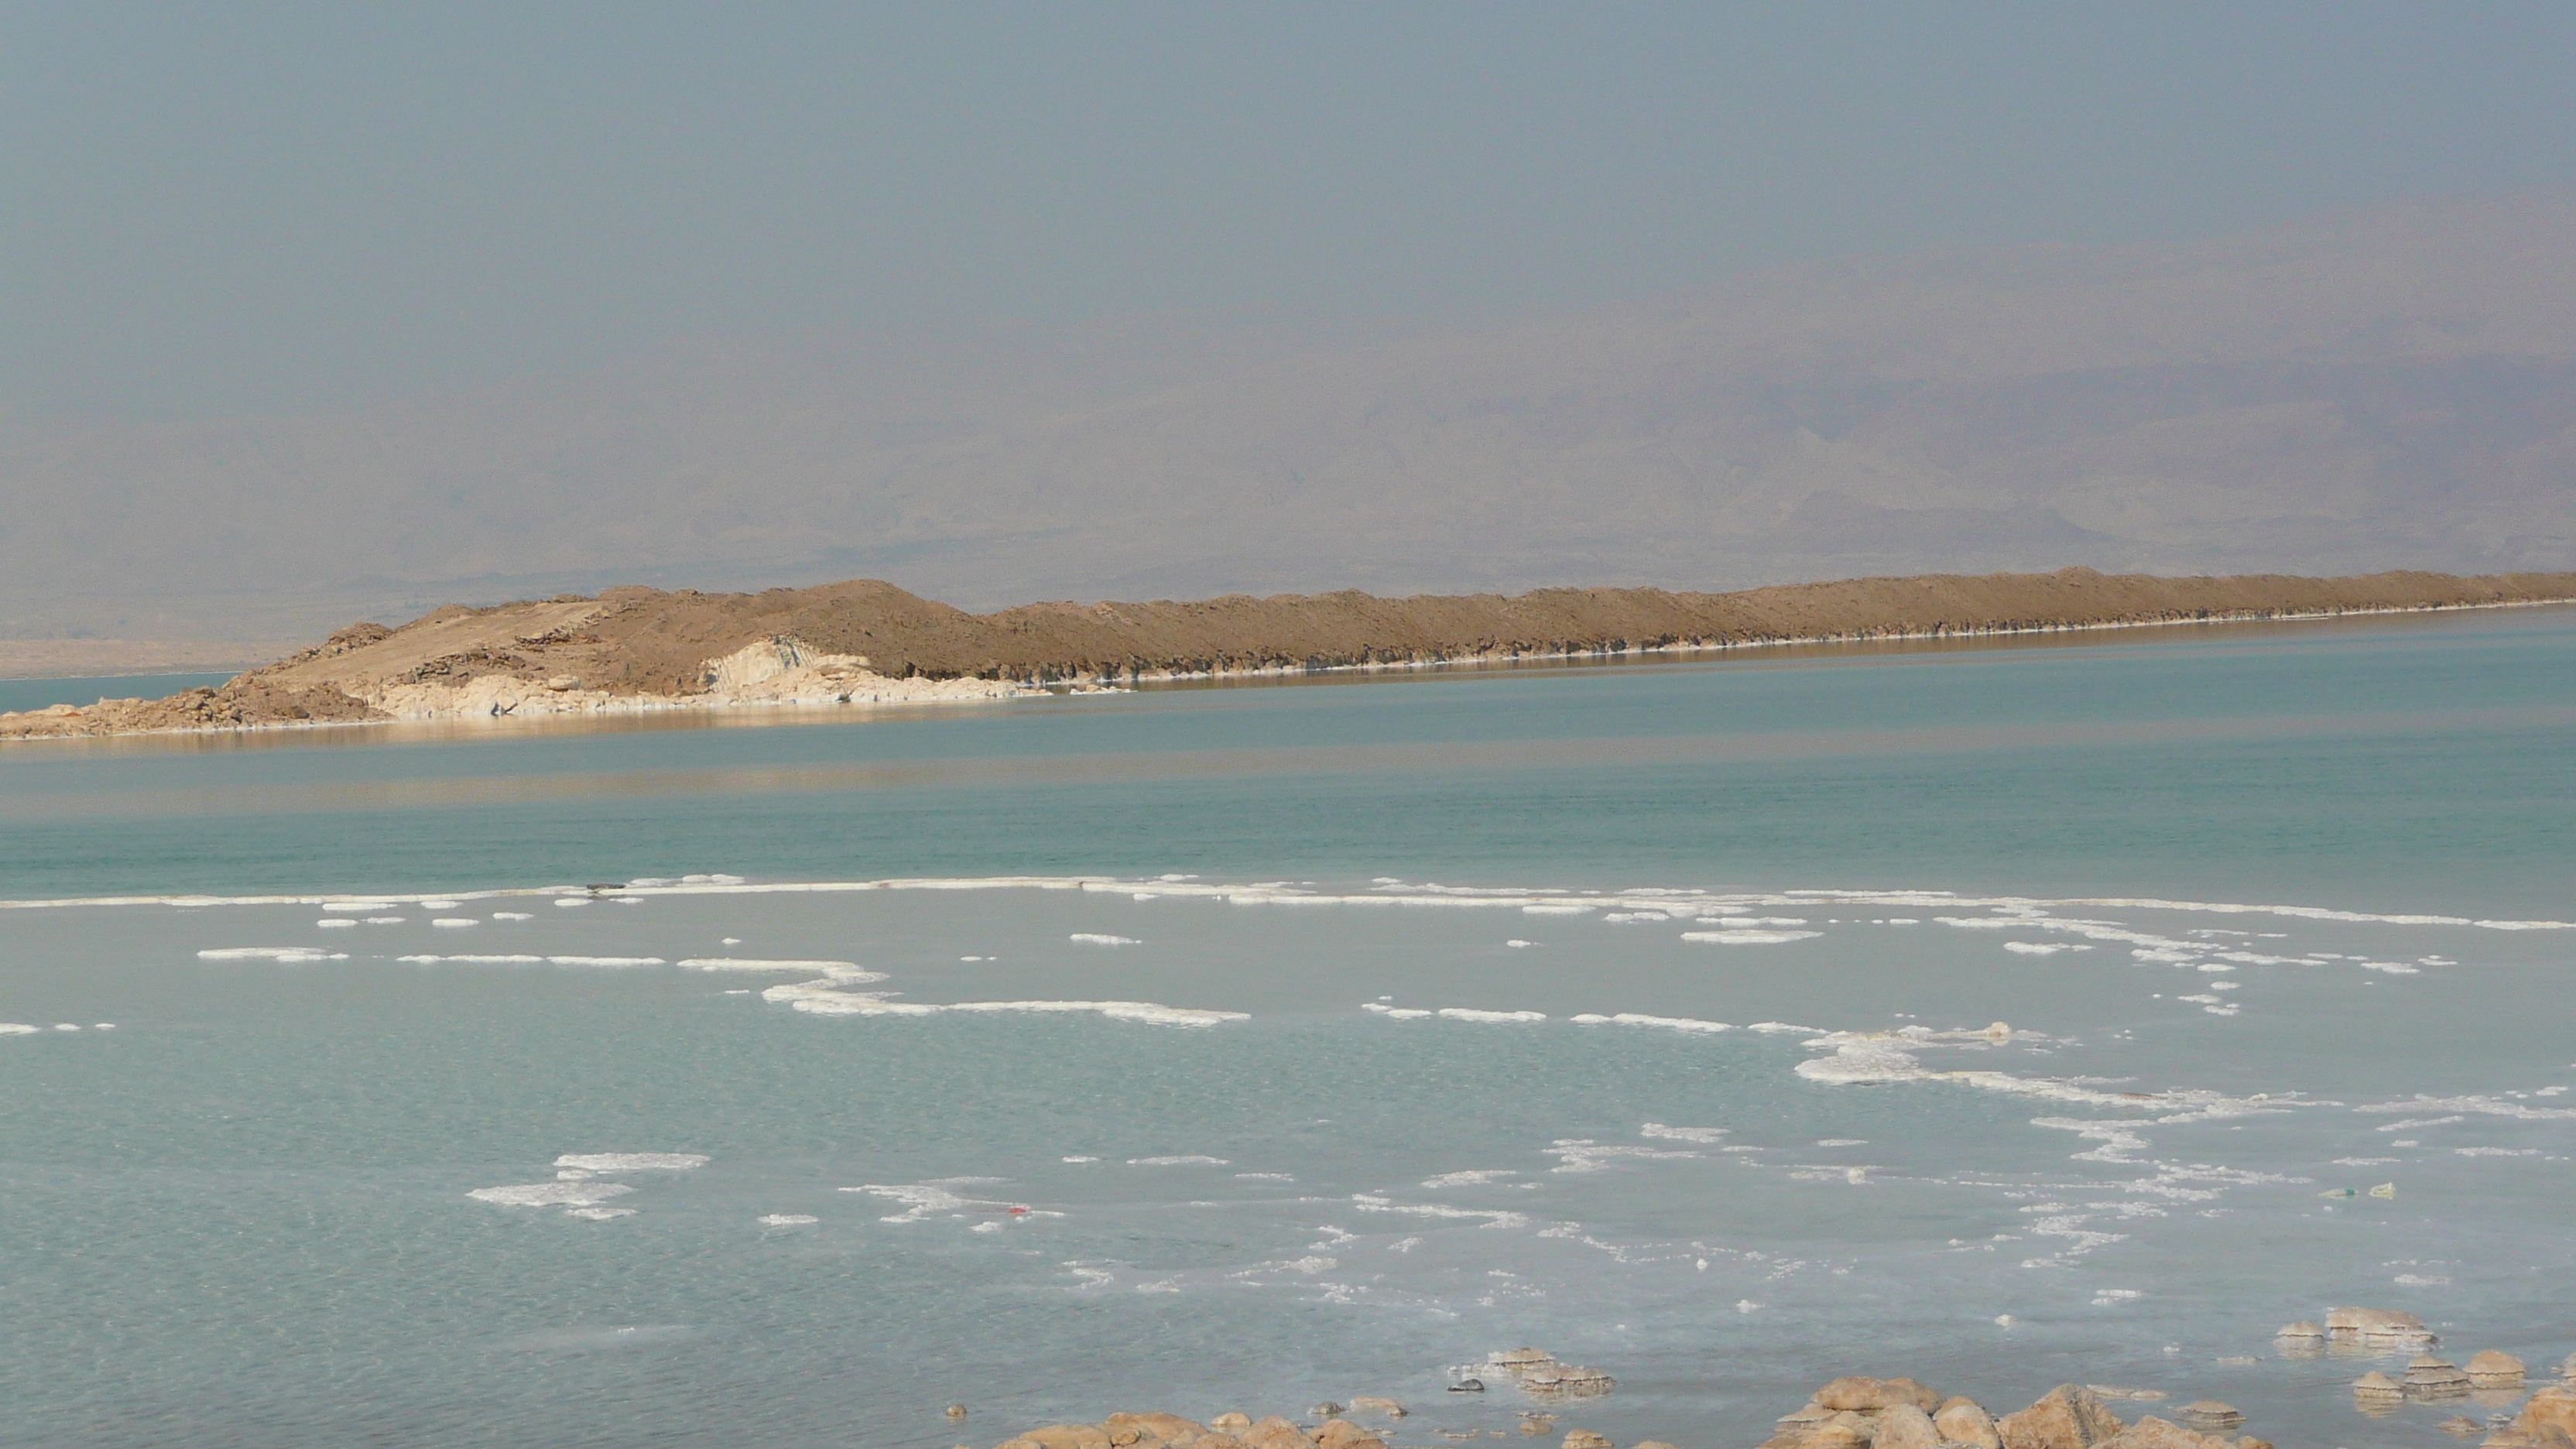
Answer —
(869, 643)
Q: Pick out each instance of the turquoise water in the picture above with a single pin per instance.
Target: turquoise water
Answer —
(18, 694)
(242, 1214)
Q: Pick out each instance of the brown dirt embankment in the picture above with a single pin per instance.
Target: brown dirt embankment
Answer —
(639, 643)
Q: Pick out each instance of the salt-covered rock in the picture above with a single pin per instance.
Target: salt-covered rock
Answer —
(1468, 1385)
(1966, 1422)
(1903, 1426)
(1370, 1404)
(2461, 1427)
(2567, 1370)
(2377, 1385)
(1585, 1439)
(1324, 1410)
(2208, 1414)
(1866, 1395)
(2351, 1325)
(2428, 1377)
(1229, 1423)
(1807, 1413)
(2489, 1369)
(1511, 1358)
(2068, 1417)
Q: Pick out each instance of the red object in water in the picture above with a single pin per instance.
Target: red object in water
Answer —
(1015, 1212)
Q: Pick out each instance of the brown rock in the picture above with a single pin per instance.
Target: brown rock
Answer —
(2461, 1427)
(2154, 1433)
(1343, 1434)
(2489, 1369)
(1870, 1395)
(1229, 1423)
(1903, 1426)
(1965, 1421)
(1161, 1426)
(1808, 1413)
(2067, 1417)
(1843, 1431)
(1585, 1439)
(1368, 1404)
(1275, 1433)
(2248, 1441)
(1070, 1436)
(2552, 1410)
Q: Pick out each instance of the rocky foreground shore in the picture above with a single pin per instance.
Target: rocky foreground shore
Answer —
(1901, 1413)
(866, 642)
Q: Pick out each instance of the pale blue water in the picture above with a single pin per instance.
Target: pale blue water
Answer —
(241, 1216)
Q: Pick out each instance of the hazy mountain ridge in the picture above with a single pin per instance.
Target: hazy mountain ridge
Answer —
(2357, 393)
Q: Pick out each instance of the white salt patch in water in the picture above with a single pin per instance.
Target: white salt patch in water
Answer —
(1621, 918)
(607, 960)
(106, 1026)
(788, 1220)
(1394, 1013)
(1669, 1023)
(1518, 944)
(1265, 1177)
(2419, 1280)
(1473, 1178)
(340, 924)
(512, 916)
(569, 902)
(384, 920)
(1582, 1154)
(551, 1194)
(818, 998)
(1184, 1160)
(1463, 1013)
(18, 1028)
(632, 1161)
(66, 1026)
(939, 1198)
(2497, 1151)
(1783, 1028)
(1842, 1142)
(2490, 1106)
(358, 907)
(439, 905)
(292, 954)
(730, 941)
(455, 922)
(1094, 938)
(1567, 909)
(599, 1214)
(1684, 1134)
(2366, 1161)
(1482, 1217)
(850, 972)
(1749, 938)
(2043, 948)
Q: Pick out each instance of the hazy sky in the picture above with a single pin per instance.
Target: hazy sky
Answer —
(253, 208)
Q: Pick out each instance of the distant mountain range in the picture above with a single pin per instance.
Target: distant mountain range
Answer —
(2388, 390)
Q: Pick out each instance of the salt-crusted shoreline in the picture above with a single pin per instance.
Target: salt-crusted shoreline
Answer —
(641, 651)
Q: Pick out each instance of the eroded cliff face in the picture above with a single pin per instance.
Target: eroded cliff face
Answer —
(869, 642)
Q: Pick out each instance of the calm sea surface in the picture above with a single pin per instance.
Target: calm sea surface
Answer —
(1246, 1047)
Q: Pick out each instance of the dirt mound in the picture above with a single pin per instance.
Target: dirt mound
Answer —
(645, 642)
